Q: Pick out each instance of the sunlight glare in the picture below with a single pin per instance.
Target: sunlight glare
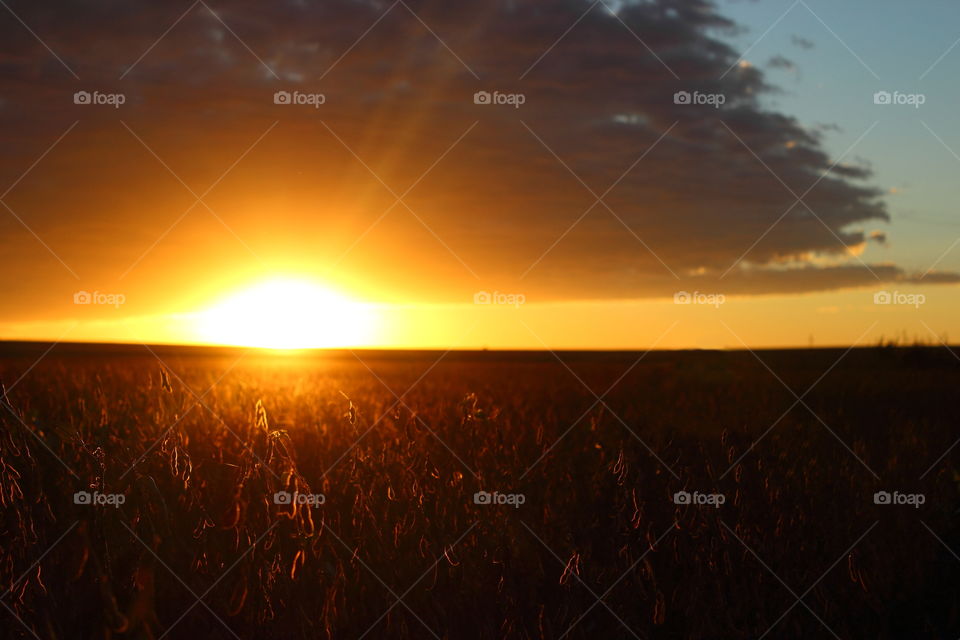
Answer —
(287, 314)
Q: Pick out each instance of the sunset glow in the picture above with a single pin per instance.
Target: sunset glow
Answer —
(558, 318)
(286, 313)
(153, 188)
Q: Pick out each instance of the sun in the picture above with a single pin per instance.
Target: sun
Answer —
(287, 313)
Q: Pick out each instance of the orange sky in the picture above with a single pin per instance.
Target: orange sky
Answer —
(169, 177)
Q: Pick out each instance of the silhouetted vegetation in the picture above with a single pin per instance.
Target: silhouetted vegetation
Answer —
(199, 444)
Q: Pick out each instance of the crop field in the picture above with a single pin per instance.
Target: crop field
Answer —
(200, 493)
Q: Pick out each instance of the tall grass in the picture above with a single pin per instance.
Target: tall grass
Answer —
(399, 548)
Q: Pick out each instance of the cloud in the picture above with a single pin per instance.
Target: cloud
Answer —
(880, 237)
(691, 193)
(780, 62)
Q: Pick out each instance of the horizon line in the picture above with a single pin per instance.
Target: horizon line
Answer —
(283, 351)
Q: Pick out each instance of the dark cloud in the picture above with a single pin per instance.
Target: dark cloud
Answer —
(880, 237)
(801, 42)
(780, 62)
(713, 201)
(934, 277)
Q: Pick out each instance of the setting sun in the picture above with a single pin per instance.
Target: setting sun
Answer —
(494, 305)
(287, 314)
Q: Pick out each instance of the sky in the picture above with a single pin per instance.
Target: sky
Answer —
(503, 174)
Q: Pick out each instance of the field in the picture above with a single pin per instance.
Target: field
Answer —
(189, 493)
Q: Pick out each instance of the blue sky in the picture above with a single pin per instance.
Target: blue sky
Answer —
(899, 42)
